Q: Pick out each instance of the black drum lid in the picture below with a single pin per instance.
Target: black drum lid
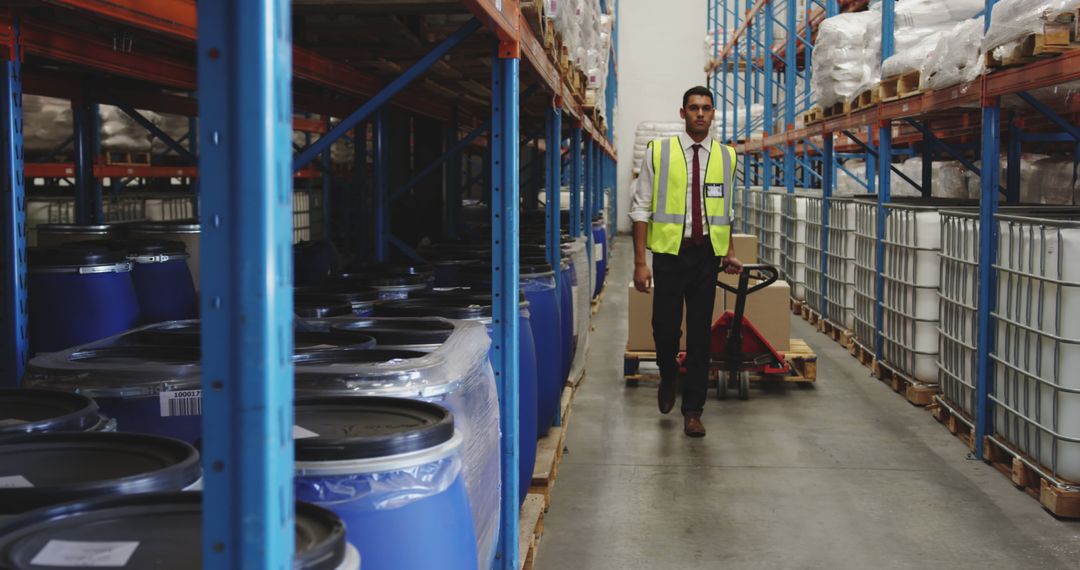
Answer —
(26, 410)
(52, 468)
(167, 528)
(363, 427)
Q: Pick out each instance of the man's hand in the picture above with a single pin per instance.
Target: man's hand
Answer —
(732, 265)
(642, 277)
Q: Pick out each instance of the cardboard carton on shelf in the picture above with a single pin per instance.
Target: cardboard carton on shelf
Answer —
(640, 336)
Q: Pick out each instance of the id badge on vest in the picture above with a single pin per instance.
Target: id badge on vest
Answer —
(714, 190)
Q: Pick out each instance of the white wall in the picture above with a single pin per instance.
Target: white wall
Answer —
(660, 57)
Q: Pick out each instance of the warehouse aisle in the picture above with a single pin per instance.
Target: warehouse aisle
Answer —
(844, 475)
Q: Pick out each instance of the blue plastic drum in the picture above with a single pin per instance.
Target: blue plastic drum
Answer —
(477, 307)
(163, 282)
(146, 389)
(538, 284)
(391, 469)
(599, 253)
(162, 531)
(423, 335)
(79, 295)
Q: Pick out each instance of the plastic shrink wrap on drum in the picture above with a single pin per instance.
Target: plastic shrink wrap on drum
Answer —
(456, 375)
(919, 26)
(847, 56)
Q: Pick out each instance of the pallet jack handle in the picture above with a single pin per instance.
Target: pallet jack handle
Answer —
(765, 275)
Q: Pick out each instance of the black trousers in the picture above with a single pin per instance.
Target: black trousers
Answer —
(688, 277)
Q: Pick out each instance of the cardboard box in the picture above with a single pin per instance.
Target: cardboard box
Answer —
(768, 309)
(640, 304)
(641, 334)
(746, 247)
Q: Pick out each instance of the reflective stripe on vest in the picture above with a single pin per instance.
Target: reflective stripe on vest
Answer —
(667, 225)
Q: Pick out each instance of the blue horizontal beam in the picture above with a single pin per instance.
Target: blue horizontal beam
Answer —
(382, 97)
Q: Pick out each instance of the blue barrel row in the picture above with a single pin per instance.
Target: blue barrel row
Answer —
(374, 476)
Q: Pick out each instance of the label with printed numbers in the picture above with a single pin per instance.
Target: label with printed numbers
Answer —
(15, 482)
(180, 403)
(80, 554)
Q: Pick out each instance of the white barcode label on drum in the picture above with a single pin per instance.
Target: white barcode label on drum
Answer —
(74, 554)
(597, 251)
(15, 482)
(181, 403)
(300, 432)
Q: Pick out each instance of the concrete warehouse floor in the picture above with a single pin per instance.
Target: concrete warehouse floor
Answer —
(844, 475)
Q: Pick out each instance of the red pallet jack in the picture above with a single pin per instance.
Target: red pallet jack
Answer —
(738, 351)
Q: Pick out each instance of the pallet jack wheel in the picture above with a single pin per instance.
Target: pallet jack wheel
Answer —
(744, 385)
(722, 384)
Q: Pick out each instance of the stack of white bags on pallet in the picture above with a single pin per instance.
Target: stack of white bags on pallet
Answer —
(48, 122)
(847, 57)
(586, 35)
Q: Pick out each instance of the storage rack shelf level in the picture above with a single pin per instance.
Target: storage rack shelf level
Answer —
(934, 123)
(71, 51)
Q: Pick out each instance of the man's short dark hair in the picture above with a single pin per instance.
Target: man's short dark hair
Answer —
(699, 90)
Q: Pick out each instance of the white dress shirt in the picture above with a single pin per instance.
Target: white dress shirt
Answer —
(641, 202)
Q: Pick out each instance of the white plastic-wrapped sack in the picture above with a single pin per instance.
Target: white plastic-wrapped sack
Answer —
(176, 126)
(912, 168)
(120, 132)
(47, 122)
(950, 180)
(1054, 181)
(846, 56)
(956, 58)
(919, 26)
(1014, 19)
(1029, 192)
(846, 185)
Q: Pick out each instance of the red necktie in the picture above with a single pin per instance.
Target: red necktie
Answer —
(697, 234)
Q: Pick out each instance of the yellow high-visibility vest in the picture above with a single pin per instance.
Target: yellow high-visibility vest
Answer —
(670, 176)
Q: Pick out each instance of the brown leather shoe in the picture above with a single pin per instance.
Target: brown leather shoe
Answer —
(692, 425)
(665, 396)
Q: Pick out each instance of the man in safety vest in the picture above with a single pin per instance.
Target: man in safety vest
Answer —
(682, 212)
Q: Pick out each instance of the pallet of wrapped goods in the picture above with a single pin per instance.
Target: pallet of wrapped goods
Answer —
(1022, 31)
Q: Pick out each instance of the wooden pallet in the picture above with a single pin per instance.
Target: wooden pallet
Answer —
(809, 315)
(796, 306)
(898, 87)
(953, 421)
(549, 453)
(918, 393)
(1029, 49)
(839, 334)
(127, 158)
(865, 100)
(861, 353)
(864, 355)
(837, 110)
(530, 530)
(533, 11)
(599, 299)
(800, 358)
(814, 115)
(1060, 497)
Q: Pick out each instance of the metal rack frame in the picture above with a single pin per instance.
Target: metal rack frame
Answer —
(247, 339)
(889, 127)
